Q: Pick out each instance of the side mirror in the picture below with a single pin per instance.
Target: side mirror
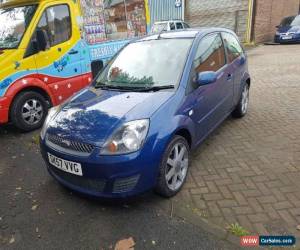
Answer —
(206, 77)
(242, 60)
(42, 40)
(278, 26)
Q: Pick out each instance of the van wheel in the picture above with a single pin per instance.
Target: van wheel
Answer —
(174, 167)
(242, 107)
(29, 111)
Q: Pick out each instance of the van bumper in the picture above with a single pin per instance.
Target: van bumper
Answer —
(4, 109)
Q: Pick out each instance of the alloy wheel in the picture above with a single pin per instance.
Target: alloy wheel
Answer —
(177, 166)
(245, 99)
(32, 111)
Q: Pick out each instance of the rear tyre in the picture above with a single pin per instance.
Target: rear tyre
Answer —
(29, 111)
(173, 168)
(242, 107)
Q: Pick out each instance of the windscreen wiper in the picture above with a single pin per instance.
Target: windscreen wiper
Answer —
(114, 87)
(133, 88)
(157, 88)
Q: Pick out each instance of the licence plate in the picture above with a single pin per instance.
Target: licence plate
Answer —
(67, 166)
(286, 37)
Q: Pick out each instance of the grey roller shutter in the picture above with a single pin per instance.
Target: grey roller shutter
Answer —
(231, 14)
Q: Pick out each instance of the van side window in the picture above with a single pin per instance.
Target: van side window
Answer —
(210, 55)
(179, 26)
(56, 21)
(233, 47)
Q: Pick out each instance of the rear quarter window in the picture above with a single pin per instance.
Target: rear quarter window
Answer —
(233, 47)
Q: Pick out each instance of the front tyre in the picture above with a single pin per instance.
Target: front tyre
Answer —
(173, 168)
(28, 111)
(242, 107)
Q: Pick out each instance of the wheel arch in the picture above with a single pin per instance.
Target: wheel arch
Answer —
(29, 84)
(37, 89)
(248, 81)
(185, 133)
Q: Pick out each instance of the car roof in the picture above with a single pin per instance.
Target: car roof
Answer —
(185, 33)
(168, 21)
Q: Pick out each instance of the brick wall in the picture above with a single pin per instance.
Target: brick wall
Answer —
(269, 13)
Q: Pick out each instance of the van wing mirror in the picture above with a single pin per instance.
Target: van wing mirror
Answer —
(42, 40)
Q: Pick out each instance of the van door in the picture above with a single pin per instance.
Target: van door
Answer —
(60, 65)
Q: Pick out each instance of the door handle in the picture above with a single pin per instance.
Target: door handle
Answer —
(229, 77)
(73, 52)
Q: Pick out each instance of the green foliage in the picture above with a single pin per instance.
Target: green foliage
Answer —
(36, 139)
(237, 230)
(126, 79)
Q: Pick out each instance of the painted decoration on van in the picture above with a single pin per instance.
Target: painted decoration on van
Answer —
(5, 83)
(61, 64)
(107, 50)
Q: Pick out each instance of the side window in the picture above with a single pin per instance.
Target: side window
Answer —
(210, 55)
(43, 22)
(233, 47)
(186, 26)
(56, 21)
(179, 26)
(59, 22)
(172, 26)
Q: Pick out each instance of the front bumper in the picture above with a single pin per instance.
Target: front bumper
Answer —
(4, 109)
(107, 176)
(295, 39)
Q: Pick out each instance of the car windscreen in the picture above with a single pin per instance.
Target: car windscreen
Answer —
(291, 21)
(14, 22)
(158, 27)
(296, 21)
(147, 64)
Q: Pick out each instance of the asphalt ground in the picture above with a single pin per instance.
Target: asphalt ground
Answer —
(38, 213)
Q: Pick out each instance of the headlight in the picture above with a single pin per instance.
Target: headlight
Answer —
(127, 139)
(51, 114)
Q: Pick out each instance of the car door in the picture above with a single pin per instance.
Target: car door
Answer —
(236, 62)
(60, 65)
(209, 103)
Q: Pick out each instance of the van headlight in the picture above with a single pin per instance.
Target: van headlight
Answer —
(127, 139)
(51, 114)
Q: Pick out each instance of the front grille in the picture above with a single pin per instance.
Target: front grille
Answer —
(125, 184)
(97, 185)
(70, 145)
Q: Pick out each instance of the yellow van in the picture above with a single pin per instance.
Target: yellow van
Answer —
(51, 49)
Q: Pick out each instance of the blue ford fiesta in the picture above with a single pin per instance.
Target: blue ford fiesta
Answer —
(133, 129)
(289, 30)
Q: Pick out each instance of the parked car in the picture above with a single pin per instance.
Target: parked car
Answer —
(289, 30)
(133, 129)
(168, 26)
